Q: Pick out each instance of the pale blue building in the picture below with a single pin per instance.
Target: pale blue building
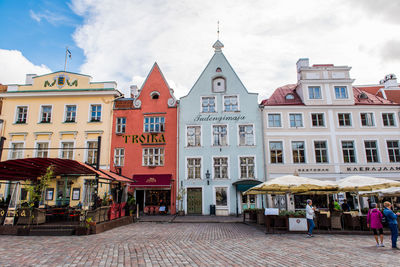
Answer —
(220, 142)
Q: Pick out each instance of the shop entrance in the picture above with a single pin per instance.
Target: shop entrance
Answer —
(194, 201)
(140, 199)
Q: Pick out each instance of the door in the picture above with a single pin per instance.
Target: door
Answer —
(194, 201)
(140, 198)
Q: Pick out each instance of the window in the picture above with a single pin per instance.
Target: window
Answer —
(231, 103)
(220, 135)
(393, 150)
(371, 151)
(247, 167)
(218, 85)
(274, 120)
(121, 125)
(119, 156)
(221, 196)
(95, 112)
(318, 120)
(341, 92)
(193, 135)
(276, 152)
(246, 135)
(91, 152)
(221, 168)
(42, 150)
(208, 104)
(194, 168)
(367, 119)
(22, 113)
(296, 120)
(70, 113)
(46, 114)
(298, 152)
(344, 119)
(67, 151)
(349, 155)
(388, 119)
(154, 124)
(289, 97)
(16, 150)
(314, 92)
(153, 157)
(321, 152)
(155, 95)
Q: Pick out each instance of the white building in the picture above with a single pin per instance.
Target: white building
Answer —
(323, 127)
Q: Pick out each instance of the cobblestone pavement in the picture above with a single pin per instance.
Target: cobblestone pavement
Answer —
(194, 244)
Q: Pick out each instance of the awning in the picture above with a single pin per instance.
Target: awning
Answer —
(152, 180)
(244, 185)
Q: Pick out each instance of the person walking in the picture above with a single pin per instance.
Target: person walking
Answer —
(310, 210)
(374, 221)
(391, 218)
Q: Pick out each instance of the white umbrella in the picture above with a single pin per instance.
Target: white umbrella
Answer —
(387, 192)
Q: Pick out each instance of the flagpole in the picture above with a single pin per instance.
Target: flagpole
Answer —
(65, 64)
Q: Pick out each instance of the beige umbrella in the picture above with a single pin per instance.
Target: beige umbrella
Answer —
(387, 192)
(291, 184)
(358, 183)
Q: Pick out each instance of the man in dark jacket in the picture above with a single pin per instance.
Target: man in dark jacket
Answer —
(345, 206)
(392, 221)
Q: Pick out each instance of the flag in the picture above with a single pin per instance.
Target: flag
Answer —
(69, 53)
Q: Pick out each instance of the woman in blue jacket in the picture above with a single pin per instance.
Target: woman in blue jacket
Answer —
(392, 221)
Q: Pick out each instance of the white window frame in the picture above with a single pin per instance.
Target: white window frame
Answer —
(186, 135)
(373, 119)
(87, 150)
(338, 121)
(327, 151)
(161, 124)
(354, 148)
(269, 151)
(61, 148)
(227, 196)
(254, 166)
(341, 98)
(65, 113)
(187, 168)
(387, 149)
(274, 113)
(324, 120)
(314, 86)
(238, 134)
(302, 119)
(40, 113)
(394, 119)
(118, 126)
(212, 84)
(16, 114)
(90, 112)
(215, 104)
(37, 148)
(292, 151)
(212, 135)
(153, 155)
(11, 150)
(377, 151)
(237, 100)
(227, 168)
(118, 157)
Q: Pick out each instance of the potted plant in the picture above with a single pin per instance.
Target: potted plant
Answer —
(260, 216)
(180, 197)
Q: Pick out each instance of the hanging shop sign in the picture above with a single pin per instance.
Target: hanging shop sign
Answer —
(219, 118)
(151, 138)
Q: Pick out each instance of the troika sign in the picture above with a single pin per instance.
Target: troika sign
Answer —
(219, 118)
(148, 138)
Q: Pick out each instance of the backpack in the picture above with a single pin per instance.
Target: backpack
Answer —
(384, 219)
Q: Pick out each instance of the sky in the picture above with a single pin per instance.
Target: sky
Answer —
(119, 40)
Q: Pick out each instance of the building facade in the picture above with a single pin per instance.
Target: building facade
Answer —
(58, 115)
(220, 141)
(144, 142)
(324, 128)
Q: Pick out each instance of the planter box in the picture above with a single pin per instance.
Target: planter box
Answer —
(298, 224)
(260, 217)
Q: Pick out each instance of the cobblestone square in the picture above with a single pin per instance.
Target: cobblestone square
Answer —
(194, 244)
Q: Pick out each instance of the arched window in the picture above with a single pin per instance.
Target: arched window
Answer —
(219, 85)
(289, 96)
(154, 95)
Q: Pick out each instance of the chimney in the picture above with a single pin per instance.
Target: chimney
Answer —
(302, 62)
(134, 91)
(389, 81)
(29, 78)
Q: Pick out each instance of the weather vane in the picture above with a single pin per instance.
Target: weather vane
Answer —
(218, 30)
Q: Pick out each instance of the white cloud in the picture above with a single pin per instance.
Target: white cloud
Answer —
(263, 39)
(53, 17)
(15, 66)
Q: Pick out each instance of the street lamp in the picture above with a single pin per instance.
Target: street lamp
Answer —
(208, 177)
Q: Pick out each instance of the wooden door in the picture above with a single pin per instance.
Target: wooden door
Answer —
(194, 201)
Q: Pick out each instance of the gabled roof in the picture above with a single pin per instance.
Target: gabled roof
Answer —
(369, 99)
(278, 98)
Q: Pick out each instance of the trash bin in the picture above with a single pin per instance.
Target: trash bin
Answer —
(212, 209)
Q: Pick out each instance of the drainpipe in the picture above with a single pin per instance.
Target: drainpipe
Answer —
(177, 159)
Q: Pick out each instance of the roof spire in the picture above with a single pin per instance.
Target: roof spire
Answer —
(218, 30)
(218, 45)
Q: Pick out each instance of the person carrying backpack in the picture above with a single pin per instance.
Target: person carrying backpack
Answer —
(391, 218)
(374, 221)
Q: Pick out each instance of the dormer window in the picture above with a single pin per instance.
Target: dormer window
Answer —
(363, 96)
(289, 96)
(218, 70)
(218, 85)
(154, 95)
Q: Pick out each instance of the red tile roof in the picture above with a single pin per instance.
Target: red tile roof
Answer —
(369, 99)
(393, 95)
(279, 96)
(371, 89)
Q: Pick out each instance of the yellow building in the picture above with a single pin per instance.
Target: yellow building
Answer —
(58, 115)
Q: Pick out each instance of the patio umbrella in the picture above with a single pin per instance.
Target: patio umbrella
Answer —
(387, 192)
(291, 184)
(359, 183)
